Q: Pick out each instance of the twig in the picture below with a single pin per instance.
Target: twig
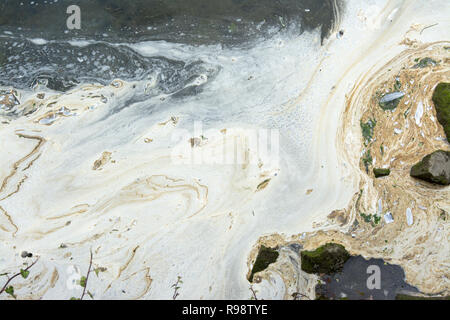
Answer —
(176, 287)
(87, 277)
(16, 275)
(253, 293)
(431, 25)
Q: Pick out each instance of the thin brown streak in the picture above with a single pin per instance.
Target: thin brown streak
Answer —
(17, 188)
(122, 269)
(80, 211)
(10, 220)
(31, 163)
(147, 279)
(18, 163)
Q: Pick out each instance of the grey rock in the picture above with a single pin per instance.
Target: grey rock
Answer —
(434, 168)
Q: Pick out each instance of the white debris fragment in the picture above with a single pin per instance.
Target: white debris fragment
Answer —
(419, 114)
(380, 206)
(409, 216)
(48, 120)
(388, 218)
(391, 96)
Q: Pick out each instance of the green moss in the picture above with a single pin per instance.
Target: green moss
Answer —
(367, 160)
(366, 217)
(265, 257)
(397, 85)
(380, 172)
(425, 62)
(370, 218)
(441, 100)
(367, 130)
(408, 297)
(329, 258)
(376, 219)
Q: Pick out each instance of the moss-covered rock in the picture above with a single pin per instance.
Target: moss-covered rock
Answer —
(329, 258)
(434, 168)
(265, 257)
(380, 172)
(441, 100)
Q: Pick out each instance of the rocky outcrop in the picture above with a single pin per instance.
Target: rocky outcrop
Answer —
(265, 257)
(441, 100)
(329, 258)
(434, 168)
(380, 172)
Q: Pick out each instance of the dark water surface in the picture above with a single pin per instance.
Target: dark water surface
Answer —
(189, 21)
(60, 66)
(351, 283)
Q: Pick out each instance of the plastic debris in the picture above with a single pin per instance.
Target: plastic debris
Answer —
(388, 218)
(409, 216)
(390, 100)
